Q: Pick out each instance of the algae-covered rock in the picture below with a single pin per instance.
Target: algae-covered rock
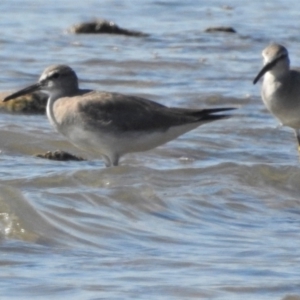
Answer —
(59, 155)
(103, 26)
(221, 29)
(34, 103)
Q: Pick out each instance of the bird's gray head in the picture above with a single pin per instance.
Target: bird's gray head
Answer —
(57, 80)
(58, 77)
(276, 60)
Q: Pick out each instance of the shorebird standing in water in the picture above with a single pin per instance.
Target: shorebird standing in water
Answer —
(111, 124)
(281, 87)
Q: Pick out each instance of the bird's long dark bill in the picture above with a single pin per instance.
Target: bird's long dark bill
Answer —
(268, 67)
(30, 89)
(262, 72)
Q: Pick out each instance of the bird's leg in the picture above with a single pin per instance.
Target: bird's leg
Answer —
(107, 161)
(111, 161)
(115, 160)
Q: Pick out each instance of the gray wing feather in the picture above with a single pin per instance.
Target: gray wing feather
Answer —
(113, 111)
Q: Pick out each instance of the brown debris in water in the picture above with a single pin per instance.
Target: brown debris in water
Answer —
(34, 103)
(291, 297)
(220, 29)
(103, 26)
(59, 155)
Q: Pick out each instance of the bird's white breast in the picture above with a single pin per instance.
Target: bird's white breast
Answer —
(281, 99)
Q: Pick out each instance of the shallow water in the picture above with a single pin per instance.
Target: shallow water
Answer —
(211, 215)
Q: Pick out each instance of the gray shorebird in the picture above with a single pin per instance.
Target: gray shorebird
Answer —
(281, 87)
(111, 124)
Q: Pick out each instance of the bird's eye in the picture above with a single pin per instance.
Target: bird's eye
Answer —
(54, 75)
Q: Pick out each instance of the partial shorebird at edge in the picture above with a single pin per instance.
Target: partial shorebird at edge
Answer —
(112, 124)
(281, 87)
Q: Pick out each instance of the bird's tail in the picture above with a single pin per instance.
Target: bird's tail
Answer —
(210, 114)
